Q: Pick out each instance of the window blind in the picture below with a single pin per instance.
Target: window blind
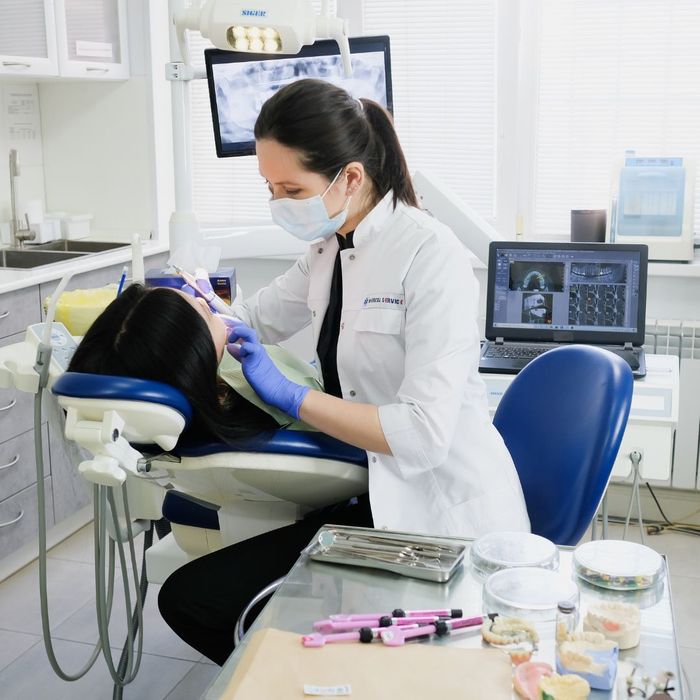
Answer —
(444, 72)
(613, 75)
(444, 79)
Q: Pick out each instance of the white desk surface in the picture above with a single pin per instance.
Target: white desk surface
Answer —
(655, 397)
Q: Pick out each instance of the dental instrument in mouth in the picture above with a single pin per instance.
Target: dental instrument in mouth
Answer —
(201, 285)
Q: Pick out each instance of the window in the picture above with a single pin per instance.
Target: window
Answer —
(613, 75)
(444, 77)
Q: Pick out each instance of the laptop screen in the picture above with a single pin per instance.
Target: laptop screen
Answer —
(567, 292)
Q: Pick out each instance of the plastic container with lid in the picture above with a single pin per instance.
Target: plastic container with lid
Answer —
(528, 592)
(618, 565)
(508, 550)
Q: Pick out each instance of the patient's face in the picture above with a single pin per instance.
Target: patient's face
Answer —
(217, 328)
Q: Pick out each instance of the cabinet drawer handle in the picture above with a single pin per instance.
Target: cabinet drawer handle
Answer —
(11, 463)
(16, 64)
(99, 70)
(9, 406)
(15, 520)
(4, 314)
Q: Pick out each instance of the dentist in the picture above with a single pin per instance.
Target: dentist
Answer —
(392, 302)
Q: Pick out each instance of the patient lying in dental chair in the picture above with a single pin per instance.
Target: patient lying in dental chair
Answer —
(167, 336)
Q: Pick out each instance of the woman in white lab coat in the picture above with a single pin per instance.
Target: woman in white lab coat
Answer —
(392, 302)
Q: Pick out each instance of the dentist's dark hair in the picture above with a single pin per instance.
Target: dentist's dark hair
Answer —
(329, 129)
(153, 333)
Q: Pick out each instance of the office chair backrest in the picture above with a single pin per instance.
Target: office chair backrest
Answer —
(562, 419)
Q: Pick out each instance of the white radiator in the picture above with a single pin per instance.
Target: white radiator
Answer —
(682, 339)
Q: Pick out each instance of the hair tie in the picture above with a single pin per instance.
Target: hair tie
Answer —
(359, 102)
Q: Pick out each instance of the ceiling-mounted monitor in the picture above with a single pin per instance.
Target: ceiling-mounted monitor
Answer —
(239, 83)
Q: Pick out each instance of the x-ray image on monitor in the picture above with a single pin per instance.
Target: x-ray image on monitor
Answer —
(598, 273)
(537, 308)
(240, 83)
(536, 276)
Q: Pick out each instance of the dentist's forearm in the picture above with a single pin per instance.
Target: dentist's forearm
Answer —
(355, 423)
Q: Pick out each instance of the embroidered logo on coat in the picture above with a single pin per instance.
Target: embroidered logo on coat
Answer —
(383, 301)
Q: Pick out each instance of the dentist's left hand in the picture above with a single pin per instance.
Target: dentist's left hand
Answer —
(262, 374)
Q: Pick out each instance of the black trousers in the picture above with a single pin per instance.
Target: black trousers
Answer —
(202, 600)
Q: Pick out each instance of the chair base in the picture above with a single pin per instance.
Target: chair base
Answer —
(164, 557)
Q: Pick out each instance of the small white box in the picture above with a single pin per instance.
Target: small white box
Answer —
(76, 226)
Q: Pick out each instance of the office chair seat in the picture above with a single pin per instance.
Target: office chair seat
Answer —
(562, 419)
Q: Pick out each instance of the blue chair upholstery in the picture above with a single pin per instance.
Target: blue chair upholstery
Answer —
(182, 508)
(562, 419)
(83, 385)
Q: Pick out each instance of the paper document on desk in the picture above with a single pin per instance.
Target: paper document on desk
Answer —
(276, 665)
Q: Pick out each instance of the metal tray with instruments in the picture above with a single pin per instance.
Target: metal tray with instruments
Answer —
(417, 556)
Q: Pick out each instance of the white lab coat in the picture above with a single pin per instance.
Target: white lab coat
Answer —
(408, 344)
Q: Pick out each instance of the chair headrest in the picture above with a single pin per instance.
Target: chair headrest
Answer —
(99, 386)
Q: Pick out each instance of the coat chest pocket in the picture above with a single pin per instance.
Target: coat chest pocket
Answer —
(387, 321)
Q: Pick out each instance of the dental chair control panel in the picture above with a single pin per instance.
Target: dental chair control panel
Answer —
(17, 361)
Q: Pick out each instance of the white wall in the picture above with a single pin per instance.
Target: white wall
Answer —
(31, 183)
(97, 153)
(253, 274)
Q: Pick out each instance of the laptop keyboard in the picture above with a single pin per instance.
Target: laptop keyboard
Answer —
(530, 352)
(518, 352)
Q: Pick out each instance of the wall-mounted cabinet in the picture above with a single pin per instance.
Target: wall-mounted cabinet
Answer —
(66, 38)
(28, 38)
(92, 39)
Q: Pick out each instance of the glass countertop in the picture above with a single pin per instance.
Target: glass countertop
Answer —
(314, 590)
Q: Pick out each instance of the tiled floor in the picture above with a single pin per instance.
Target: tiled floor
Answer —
(171, 670)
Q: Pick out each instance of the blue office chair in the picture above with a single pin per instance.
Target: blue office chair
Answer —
(562, 419)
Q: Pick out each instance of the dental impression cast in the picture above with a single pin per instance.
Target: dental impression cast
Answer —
(591, 656)
(566, 687)
(619, 622)
(501, 631)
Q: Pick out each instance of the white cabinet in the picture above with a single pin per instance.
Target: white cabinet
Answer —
(92, 39)
(66, 38)
(28, 38)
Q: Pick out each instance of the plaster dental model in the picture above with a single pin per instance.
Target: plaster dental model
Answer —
(618, 622)
(590, 655)
(567, 687)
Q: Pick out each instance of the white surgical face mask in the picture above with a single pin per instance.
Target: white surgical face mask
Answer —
(307, 219)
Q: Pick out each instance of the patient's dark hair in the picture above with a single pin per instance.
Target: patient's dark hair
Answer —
(153, 333)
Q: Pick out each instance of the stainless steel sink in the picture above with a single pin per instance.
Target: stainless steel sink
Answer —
(79, 246)
(25, 259)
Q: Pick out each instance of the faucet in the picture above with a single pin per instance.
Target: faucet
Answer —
(18, 235)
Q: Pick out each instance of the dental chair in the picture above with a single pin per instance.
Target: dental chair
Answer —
(213, 494)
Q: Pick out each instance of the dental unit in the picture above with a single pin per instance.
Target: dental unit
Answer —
(212, 494)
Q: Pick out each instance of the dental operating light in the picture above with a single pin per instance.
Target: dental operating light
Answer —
(263, 26)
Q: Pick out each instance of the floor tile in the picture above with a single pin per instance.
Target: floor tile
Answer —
(70, 584)
(681, 550)
(30, 676)
(158, 637)
(14, 644)
(194, 683)
(80, 547)
(686, 610)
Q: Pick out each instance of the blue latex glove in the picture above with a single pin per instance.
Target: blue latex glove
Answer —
(262, 374)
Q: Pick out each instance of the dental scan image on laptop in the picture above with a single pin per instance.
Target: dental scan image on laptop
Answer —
(541, 295)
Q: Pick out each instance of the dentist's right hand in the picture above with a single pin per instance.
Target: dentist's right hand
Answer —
(262, 374)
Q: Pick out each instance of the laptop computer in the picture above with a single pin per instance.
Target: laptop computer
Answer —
(542, 295)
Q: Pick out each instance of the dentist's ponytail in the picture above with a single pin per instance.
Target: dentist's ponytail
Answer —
(391, 171)
(329, 129)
